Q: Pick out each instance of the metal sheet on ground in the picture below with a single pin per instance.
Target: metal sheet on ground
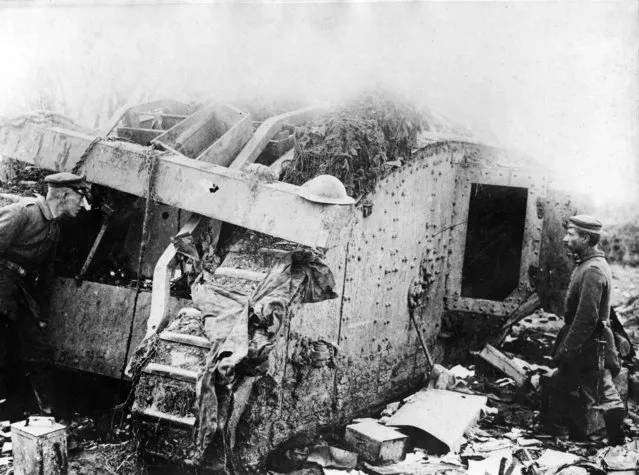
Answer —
(446, 415)
(90, 324)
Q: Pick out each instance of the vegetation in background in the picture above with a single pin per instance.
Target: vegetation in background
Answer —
(356, 142)
(620, 242)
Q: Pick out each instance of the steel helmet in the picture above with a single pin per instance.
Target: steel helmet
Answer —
(325, 189)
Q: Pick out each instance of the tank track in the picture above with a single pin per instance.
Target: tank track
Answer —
(164, 407)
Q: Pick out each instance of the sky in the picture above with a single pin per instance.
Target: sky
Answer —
(557, 80)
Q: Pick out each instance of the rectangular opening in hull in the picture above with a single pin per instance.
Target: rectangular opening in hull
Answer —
(495, 232)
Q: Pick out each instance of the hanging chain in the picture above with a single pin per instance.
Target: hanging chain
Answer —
(83, 158)
(151, 166)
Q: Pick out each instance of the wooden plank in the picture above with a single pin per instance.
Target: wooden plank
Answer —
(217, 192)
(160, 293)
(124, 113)
(171, 120)
(278, 147)
(224, 150)
(139, 136)
(154, 414)
(121, 115)
(416, 467)
(507, 366)
(530, 305)
(167, 371)
(270, 128)
(217, 154)
(199, 131)
(190, 340)
(174, 106)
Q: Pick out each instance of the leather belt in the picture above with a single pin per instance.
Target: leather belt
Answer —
(12, 266)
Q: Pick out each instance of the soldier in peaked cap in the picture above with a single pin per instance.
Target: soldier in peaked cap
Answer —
(585, 350)
(29, 234)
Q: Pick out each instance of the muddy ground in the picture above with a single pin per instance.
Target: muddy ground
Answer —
(102, 439)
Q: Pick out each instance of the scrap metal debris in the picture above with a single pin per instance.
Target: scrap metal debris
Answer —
(489, 423)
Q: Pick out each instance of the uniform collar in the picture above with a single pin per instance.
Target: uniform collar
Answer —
(44, 207)
(589, 255)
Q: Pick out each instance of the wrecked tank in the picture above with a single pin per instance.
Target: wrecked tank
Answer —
(445, 247)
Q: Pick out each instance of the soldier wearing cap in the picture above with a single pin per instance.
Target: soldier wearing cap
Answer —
(29, 234)
(584, 350)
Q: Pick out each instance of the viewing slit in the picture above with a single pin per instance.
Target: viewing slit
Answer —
(495, 234)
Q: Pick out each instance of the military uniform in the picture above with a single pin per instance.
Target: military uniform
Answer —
(28, 238)
(29, 235)
(584, 350)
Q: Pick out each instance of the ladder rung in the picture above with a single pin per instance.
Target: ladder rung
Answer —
(159, 415)
(272, 252)
(191, 340)
(171, 372)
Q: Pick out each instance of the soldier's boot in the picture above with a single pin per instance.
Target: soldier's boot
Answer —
(615, 426)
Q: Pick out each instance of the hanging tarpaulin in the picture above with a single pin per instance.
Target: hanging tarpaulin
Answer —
(243, 328)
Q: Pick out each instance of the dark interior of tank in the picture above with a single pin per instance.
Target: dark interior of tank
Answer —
(492, 257)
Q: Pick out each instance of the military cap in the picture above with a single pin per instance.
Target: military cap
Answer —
(66, 180)
(585, 223)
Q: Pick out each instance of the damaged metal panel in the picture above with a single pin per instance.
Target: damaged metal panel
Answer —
(445, 415)
(408, 236)
(555, 266)
(403, 244)
(397, 249)
(467, 180)
(378, 354)
(91, 324)
(433, 276)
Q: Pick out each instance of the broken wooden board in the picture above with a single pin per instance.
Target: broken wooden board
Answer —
(531, 304)
(506, 365)
(270, 128)
(445, 415)
(141, 136)
(224, 150)
(415, 468)
(198, 132)
(375, 442)
(217, 192)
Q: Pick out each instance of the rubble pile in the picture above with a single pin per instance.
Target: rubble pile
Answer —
(483, 418)
(470, 422)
